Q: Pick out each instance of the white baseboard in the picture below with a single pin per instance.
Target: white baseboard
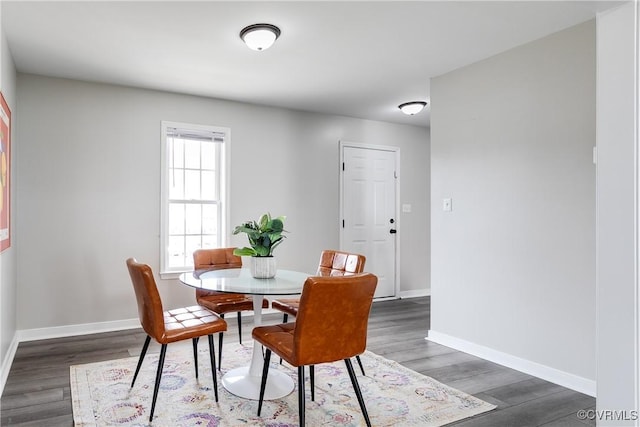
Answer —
(72, 330)
(415, 294)
(7, 362)
(565, 379)
(25, 335)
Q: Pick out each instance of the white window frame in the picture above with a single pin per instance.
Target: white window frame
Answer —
(224, 162)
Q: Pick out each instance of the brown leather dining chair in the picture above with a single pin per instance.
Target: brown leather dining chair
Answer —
(332, 263)
(170, 326)
(222, 302)
(331, 325)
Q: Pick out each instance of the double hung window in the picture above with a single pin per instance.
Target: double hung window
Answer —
(193, 192)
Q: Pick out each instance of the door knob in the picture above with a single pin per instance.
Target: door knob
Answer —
(393, 231)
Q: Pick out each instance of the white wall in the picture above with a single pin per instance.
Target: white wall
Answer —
(617, 291)
(89, 195)
(513, 265)
(8, 257)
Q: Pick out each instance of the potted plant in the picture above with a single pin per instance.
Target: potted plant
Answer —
(264, 236)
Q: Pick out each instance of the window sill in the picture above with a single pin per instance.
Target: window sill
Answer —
(171, 275)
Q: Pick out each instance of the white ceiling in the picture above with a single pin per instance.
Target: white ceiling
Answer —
(358, 59)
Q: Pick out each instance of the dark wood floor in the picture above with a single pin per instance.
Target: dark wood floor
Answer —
(37, 390)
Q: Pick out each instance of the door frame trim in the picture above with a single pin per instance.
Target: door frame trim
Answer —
(396, 150)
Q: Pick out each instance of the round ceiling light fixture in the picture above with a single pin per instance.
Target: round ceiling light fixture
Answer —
(413, 107)
(260, 36)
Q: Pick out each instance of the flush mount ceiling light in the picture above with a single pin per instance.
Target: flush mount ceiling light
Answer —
(411, 108)
(260, 36)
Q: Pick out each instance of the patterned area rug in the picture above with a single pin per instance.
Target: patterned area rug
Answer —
(394, 395)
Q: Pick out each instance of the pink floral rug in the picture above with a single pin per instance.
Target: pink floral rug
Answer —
(394, 395)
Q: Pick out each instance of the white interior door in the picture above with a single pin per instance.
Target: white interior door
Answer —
(369, 209)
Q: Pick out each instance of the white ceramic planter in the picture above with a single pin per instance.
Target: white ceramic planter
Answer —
(263, 267)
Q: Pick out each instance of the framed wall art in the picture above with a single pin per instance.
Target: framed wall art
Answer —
(5, 174)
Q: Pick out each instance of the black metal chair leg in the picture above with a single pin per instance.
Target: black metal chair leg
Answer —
(220, 338)
(212, 356)
(145, 346)
(263, 383)
(356, 388)
(312, 376)
(156, 387)
(301, 394)
(195, 354)
(360, 363)
(239, 328)
(285, 317)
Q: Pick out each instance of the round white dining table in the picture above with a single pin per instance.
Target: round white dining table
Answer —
(245, 381)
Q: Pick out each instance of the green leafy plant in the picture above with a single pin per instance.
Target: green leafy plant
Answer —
(264, 236)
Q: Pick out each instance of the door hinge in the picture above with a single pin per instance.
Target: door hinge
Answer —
(343, 223)
(343, 166)
(395, 174)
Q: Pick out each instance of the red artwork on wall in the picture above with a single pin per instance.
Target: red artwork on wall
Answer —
(5, 174)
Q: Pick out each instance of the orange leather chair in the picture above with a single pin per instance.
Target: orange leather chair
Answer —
(332, 263)
(222, 302)
(170, 326)
(331, 325)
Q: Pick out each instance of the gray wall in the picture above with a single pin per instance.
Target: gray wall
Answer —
(8, 257)
(617, 188)
(89, 190)
(513, 265)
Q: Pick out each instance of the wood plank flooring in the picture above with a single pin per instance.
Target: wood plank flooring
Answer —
(37, 391)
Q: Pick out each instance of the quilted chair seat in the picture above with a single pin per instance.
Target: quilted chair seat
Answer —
(331, 325)
(188, 322)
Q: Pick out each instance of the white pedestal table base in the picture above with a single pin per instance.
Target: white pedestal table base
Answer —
(239, 382)
(245, 381)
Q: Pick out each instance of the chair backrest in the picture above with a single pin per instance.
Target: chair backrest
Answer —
(332, 319)
(338, 263)
(150, 309)
(214, 259)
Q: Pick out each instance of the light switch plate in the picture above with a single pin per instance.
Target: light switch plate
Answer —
(446, 205)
